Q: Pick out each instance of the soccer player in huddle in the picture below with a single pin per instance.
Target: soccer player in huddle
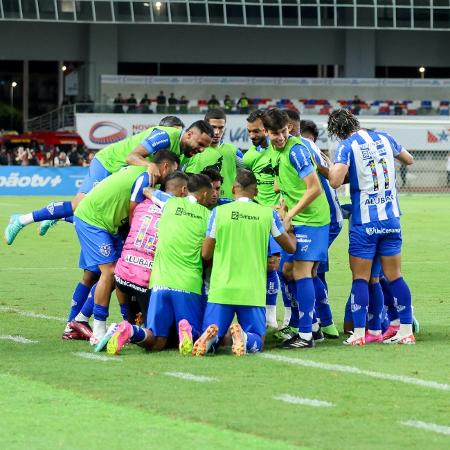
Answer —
(176, 281)
(238, 236)
(220, 155)
(98, 218)
(307, 211)
(368, 158)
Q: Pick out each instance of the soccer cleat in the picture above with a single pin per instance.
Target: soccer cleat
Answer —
(272, 325)
(286, 333)
(119, 338)
(318, 336)
(391, 331)
(357, 341)
(73, 336)
(239, 346)
(13, 229)
(298, 342)
(105, 339)
(373, 339)
(409, 339)
(81, 327)
(205, 341)
(186, 344)
(45, 225)
(416, 326)
(330, 331)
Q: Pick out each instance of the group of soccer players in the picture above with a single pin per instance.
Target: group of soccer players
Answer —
(191, 233)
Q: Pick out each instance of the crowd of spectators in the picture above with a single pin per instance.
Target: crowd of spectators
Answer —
(40, 156)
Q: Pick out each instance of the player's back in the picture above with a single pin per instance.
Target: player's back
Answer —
(371, 159)
(181, 230)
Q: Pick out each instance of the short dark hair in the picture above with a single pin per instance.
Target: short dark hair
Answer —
(212, 174)
(255, 115)
(216, 113)
(171, 121)
(275, 119)
(165, 155)
(246, 178)
(203, 127)
(342, 123)
(197, 182)
(174, 177)
(293, 115)
(310, 127)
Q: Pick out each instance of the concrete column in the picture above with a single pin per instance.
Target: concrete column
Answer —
(25, 93)
(359, 54)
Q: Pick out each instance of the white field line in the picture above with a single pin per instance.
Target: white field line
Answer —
(87, 355)
(19, 339)
(30, 314)
(357, 371)
(303, 401)
(190, 377)
(427, 426)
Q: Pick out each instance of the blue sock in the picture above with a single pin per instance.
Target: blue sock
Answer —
(287, 301)
(359, 302)
(295, 315)
(124, 311)
(402, 300)
(323, 279)
(79, 297)
(389, 300)
(138, 334)
(322, 306)
(254, 343)
(54, 210)
(100, 312)
(376, 305)
(88, 307)
(273, 284)
(68, 219)
(385, 322)
(348, 311)
(306, 298)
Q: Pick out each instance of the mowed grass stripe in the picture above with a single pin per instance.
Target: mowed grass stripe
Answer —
(104, 424)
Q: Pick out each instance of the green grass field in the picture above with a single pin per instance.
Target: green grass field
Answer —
(52, 397)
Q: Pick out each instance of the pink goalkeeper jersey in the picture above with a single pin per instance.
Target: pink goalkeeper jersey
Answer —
(135, 262)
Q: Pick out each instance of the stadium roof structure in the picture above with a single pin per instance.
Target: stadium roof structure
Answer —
(369, 14)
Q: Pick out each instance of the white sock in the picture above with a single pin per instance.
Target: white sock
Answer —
(287, 315)
(374, 332)
(359, 332)
(99, 328)
(67, 329)
(271, 313)
(26, 219)
(81, 318)
(306, 336)
(315, 326)
(395, 322)
(405, 329)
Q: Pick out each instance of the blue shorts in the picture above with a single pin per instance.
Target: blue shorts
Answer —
(335, 229)
(286, 258)
(274, 247)
(168, 306)
(383, 237)
(96, 174)
(312, 243)
(98, 246)
(252, 319)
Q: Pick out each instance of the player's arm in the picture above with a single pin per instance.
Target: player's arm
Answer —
(137, 193)
(210, 241)
(339, 170)
(285, 239)
(405, 157)
(239, 159)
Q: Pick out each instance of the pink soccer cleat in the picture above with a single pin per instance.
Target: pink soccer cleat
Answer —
(356, 341)
(409, 339)
(120, 338)
(373, 339)
(391, 331)
(186, 343)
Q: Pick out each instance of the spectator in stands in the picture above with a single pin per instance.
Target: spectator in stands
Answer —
(61, 160)
(228, 104)
(184, 102)
(145, 104)
(448, 170)
(32, 158)
(213, 103)
(356, 105)
(161, 102)
(46, 160)
(88, 159)
(173, 102)
(132, 102)
(243, 104)
(398, 109)
(118, 103)
(4, 160)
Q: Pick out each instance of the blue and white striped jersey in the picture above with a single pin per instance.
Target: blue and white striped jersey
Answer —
(370, 157)
(335, 207)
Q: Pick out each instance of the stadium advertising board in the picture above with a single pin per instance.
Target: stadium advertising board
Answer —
(35, 180)
(99, 130)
